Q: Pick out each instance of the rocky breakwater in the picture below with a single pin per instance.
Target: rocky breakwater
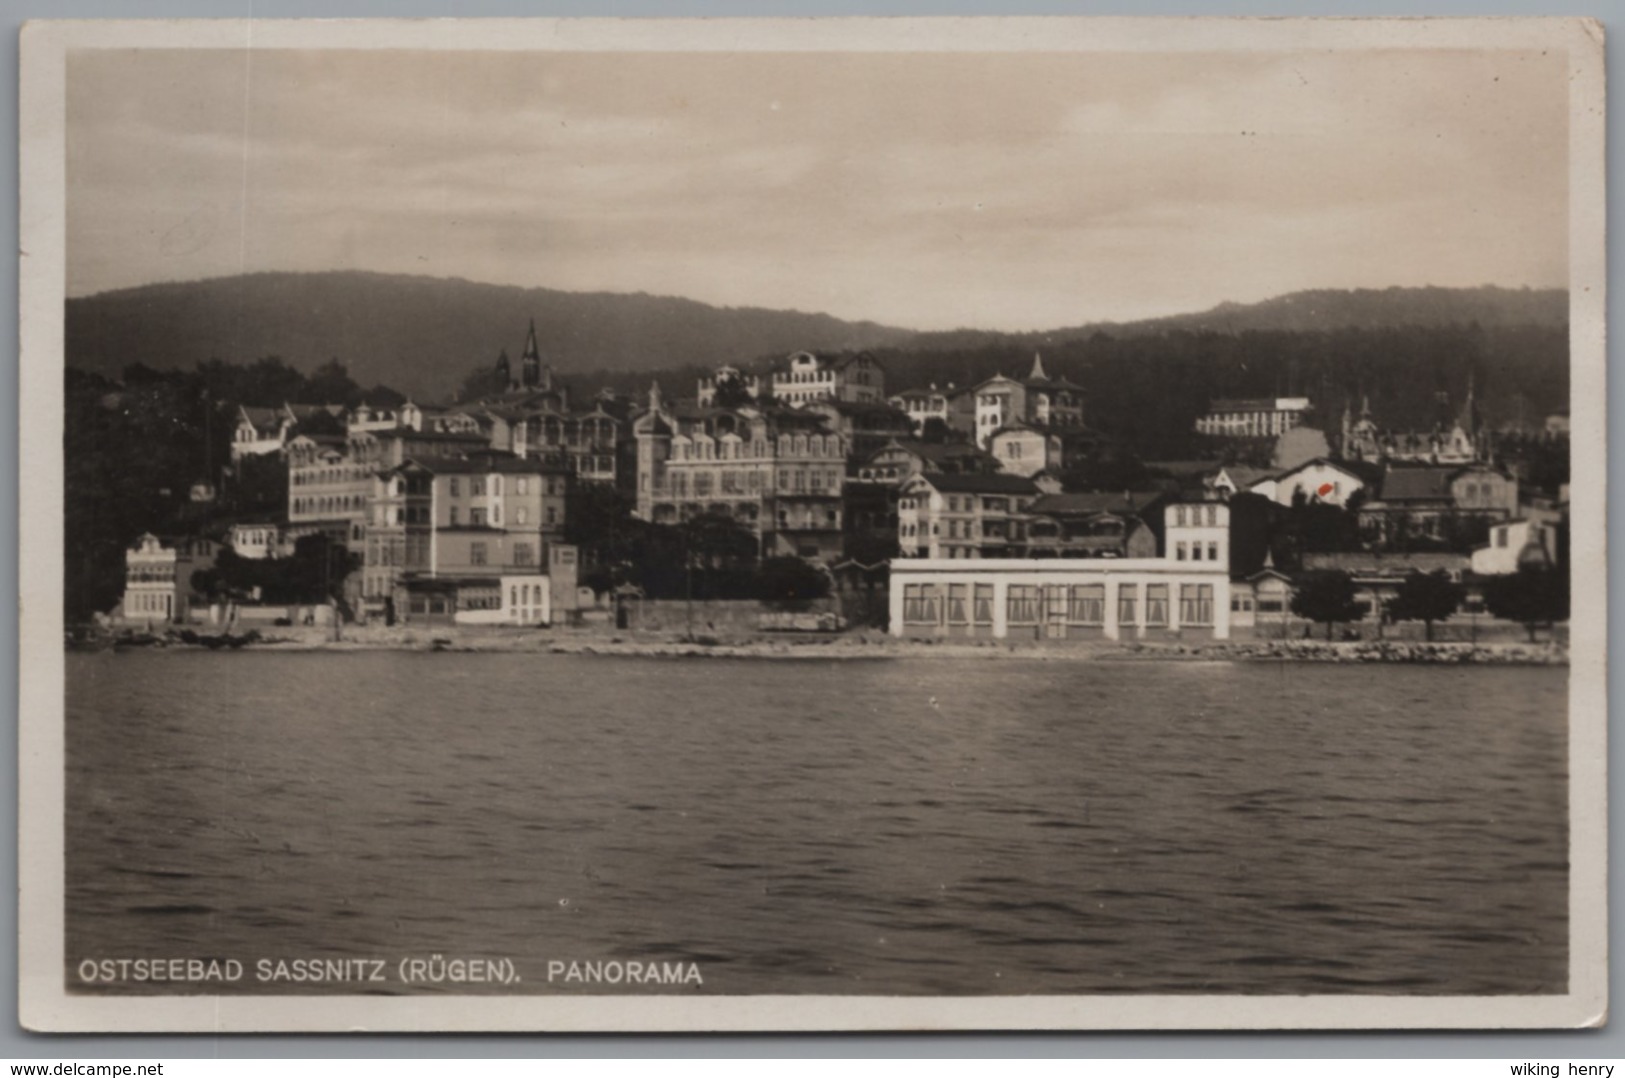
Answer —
(1387, 651)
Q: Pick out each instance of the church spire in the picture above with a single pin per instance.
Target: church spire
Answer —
(656, 402)
(1038, 374)
(532, 359)
(504, 370)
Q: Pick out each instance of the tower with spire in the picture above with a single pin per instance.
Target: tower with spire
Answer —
(504, 371)
(532, 375)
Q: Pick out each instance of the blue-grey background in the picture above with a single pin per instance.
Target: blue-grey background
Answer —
(16, 1043)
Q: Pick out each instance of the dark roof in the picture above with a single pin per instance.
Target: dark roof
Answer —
(997, 483)
(869, 408)
(1417, 484)
(408, 434)
(1378, 563)
(1242, 404)
(269, 419)
(1186, 467)
(1090, 503)
(498, 466)
(933, 451)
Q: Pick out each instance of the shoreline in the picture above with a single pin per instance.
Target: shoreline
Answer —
(878, 646)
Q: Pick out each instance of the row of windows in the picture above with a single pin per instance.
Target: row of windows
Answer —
(1075, 604)
(1193, 551)
(1193, 516)
(302, 477)
(478, 486)
(335, 503)
(726, 448)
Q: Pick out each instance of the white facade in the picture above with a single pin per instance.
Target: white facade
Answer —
(525, 600)
(1076, 598)
(1060, 598)
(256, 541)
(1266, 417)
(1318, 481)
(149, 581)
(1514, 543)
(1197, 532)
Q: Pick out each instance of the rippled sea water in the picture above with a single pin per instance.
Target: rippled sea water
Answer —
(880, 827)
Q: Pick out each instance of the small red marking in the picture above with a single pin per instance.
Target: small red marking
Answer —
(1325, 489)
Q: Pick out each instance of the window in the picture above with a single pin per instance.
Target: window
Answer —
(552, 515)
(524, 554)
(1501, 537)
(1179, 552)
(456, 489)
(1179, 516)
(524, 515)
(1022, 606)
(496, 514)
(1212, 516)
(476, 554)
(1087, 604)
(476, 518)
(1126, 596)
(1213, 551)
(1196, 551)
(1196, 604)
(982, 609)
(476, 486)
(453, 512)
(957, 614)
(1156, 604)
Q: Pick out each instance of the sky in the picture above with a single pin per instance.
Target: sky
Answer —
(1009, 191)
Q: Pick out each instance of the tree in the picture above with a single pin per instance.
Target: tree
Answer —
(789, 581)
(1533, 596)
(1426, 597)
(716, 540)
(936, 431)
(1326, 595)
(731, 392)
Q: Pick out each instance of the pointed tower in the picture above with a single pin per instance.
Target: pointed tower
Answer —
(504, 371)
(531, 361)
(1469, 410)
(1038, 374)
(657, 403)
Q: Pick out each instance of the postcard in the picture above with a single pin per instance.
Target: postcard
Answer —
(834, 524)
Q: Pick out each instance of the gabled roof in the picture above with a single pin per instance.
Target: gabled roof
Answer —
(1324, 462)
(1417, 484)
(1092, 503)
(266, 420)
(996, 483)
(1384, 564)
(493, 466)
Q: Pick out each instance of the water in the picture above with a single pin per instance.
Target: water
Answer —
(880, 827)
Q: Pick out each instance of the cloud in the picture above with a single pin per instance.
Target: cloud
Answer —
(1013, 191)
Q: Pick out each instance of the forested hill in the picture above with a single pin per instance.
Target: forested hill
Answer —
(424, 335)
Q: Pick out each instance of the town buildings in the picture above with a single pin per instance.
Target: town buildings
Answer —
(851, 376)
(1253, 417)
(947, 516)
(777, 471)
(1074, 598)
(1320, 480)
(954, 409)
(1037, 400)
(158, 579)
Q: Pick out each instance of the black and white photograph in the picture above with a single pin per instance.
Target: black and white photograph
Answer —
(813, 524)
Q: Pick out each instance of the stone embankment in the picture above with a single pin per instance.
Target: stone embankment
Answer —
(869, 644)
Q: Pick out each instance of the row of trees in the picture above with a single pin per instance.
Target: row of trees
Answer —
(708, 556)
(134, 448)
(1532, 597)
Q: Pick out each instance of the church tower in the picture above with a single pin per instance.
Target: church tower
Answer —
(531, 361)
(504, 371)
